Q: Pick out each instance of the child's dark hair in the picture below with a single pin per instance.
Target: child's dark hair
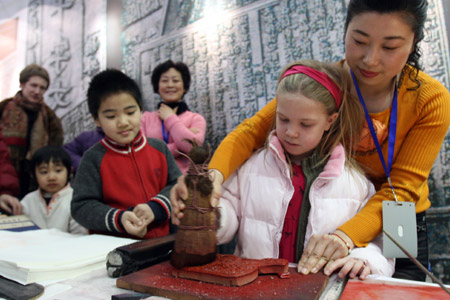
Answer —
(107, 83)
(164, 67)
(55, 154)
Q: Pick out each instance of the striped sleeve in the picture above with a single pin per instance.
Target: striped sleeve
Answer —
(87, 207)
(173, 172)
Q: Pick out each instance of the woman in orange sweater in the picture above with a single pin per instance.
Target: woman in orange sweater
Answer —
(382, 54)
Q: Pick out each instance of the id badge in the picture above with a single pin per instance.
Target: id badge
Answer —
(399, 220)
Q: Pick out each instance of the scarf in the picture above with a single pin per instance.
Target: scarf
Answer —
(182, 106)
(27, 104)
(311, 170)
(16, 132)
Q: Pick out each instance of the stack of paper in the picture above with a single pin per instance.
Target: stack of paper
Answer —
(51, 255)
(16, 223)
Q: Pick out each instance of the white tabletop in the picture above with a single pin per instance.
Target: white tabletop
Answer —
(95, 285)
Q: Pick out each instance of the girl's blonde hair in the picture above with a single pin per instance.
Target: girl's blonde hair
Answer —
(347, 127)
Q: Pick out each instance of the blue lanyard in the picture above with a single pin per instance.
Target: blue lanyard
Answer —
(165, 135)
(392, 131)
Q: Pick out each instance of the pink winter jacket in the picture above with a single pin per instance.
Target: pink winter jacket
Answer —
(255, 199)
(179, 127)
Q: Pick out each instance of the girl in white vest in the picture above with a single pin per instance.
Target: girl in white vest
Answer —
(303, 183)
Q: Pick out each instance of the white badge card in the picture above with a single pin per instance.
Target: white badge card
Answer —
(399, 220)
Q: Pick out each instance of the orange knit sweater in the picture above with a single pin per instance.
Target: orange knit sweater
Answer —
(422, 123)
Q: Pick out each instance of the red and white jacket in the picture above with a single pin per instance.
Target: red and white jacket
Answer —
(113, 178)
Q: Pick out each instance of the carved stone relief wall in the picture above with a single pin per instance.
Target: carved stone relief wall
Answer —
(235, 50)
(68, 39)
(436, 62)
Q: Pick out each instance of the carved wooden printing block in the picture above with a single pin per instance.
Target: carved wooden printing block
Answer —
(195, 241)
(231, 270)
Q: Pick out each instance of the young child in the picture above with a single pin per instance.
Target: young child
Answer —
(123, 182)
(303, 184)
(49, 205)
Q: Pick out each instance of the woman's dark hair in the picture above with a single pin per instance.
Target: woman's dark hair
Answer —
(107, 83)
(55, 154)
(414, 13)
(164, 67)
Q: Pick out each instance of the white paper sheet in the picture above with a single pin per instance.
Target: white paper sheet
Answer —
(52, 255)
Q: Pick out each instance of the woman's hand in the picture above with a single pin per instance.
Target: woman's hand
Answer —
(165, 111)
(179, 192)
(348, 265)
(321, 249)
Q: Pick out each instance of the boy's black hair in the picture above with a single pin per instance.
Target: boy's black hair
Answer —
(164, 67)
(51, 153)
(107, 83)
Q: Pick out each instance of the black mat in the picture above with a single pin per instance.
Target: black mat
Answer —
(15, 291)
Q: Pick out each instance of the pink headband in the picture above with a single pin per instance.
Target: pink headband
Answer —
(320, 77)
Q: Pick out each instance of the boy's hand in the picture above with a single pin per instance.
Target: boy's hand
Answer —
(133, 225)
(179, 192)
(10, 204)
(144, 213)
(348, 265)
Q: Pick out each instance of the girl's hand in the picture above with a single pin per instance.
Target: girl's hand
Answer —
(144, 213)
(348, 265)
(217, 180)
(321, 249)
(165, 111)
(133, 225)
(10, 204)
(179, 192)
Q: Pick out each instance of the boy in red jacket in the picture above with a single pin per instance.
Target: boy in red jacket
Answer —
(122, 184)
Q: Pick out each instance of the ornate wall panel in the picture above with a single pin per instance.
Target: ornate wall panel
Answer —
(68, 39)
(234, 49)
(436, 62)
